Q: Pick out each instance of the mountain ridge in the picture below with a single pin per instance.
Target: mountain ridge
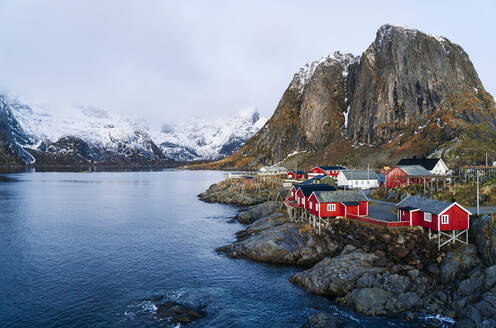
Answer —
(87, 135)
(409, 93)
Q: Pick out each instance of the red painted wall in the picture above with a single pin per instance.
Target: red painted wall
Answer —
(325, 213)
(363, 208)
(458, 219)
(417, 217)
(404, 215)
(315, 205)
(393, 178)
(299, 198)
(292, 193)
(356, 209)
(318, 170)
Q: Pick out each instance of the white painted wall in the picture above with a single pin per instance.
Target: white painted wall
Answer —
(440, 169)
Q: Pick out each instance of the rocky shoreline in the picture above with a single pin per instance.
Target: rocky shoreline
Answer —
(374, 270)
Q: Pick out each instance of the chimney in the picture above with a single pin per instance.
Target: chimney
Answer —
(414, 157)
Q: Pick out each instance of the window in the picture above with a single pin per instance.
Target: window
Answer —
(311, 205)
(444, 219)
(303, 201)
(331, 207)
(428, 217)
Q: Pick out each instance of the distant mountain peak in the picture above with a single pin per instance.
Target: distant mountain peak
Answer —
(207, 138)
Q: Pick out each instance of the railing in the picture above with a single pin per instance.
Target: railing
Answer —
(377, 222)
(290, 202)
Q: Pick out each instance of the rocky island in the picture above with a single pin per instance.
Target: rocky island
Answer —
(375, 270)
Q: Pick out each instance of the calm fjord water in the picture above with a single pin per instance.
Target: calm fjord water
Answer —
(86, 250)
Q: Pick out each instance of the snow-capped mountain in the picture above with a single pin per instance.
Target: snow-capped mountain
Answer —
(89, 135)
(80, 136)
(209, 140)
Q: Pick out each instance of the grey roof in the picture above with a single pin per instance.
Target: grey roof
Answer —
(361, 175)
(307, 189)
(334, 168)
(424, 204)
(414, 170)
(340, 196)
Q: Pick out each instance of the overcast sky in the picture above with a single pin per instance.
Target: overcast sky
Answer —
(168, 60)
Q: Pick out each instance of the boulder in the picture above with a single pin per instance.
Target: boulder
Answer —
(336, 276)
(259, 211)
(322, 320)
(373, 301)
(490, 277)
(269, 240)
(470, 285)
(483, 233)
(178, 313)
(457, 262)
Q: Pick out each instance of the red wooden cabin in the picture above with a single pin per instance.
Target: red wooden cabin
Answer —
(305, 191)
(295, 175)
(433, 214)
(325, 204)
(405, 175)
(249, 180)
(292, 192)
(332, 171)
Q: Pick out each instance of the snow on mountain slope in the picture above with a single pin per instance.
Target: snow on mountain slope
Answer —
(209, 139)
(103, 136)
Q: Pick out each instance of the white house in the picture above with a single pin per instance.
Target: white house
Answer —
(358, 179)
(272, 170)
(433, 165)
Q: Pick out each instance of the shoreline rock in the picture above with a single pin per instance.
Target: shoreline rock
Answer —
(375, 270)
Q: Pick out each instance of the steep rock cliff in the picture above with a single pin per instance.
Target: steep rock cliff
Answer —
(410, 93)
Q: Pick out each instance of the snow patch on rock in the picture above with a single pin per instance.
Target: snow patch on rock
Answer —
(305, 73)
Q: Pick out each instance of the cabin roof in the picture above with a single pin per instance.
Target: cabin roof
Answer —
(427, 163)
(336, 167)
(407, 208)
(351, 203)
(424, 204)
(307, 189)
(414, 169)
(340, 196)
(361, 175)
(297, 172)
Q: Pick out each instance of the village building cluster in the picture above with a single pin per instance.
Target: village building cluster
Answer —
(343, 196)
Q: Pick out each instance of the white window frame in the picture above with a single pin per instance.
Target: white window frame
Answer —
(331, 207)
(311, 205)
(443, 217)
(303, 201)
(427, 217)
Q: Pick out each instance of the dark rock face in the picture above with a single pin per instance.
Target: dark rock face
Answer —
(456, 262)
(483, 232)
(407, 83)
(404, 76)
(12, 139)
(322, 320)
(178, 313)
